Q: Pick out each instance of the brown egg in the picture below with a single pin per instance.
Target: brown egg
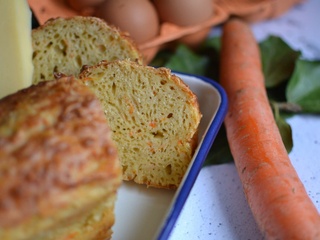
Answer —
(80, 5)
(184, 12)
(137, 17)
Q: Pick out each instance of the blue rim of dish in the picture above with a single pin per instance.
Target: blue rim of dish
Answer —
(199, 160)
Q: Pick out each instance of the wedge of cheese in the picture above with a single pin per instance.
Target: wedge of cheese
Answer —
(16, 67)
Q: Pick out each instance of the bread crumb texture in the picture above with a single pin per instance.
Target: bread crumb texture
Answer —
(65, 45)
(154, 117)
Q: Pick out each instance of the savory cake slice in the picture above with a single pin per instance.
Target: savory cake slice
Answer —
(59, 168)
(66, 44)
(154, 117)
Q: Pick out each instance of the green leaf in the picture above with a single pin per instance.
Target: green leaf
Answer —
(212, 42)
(284, 128)
(278, 93)
(304, 86)
(220, 151)
(286, 133)
(185, 60)
(278, 60)
(161, 58)
(211, 49)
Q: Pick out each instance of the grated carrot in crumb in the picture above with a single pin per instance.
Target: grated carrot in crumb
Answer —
(71, 236)
(131, 109)
(153, 124)
(131, 133)
(131, 106)
(150, 144)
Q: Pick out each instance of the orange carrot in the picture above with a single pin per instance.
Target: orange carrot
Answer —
(274, 192)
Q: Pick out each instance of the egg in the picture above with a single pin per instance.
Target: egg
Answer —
(80, 5)
(137, 17)
(184, 12)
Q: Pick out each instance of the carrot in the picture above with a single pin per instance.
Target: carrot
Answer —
(274, 192)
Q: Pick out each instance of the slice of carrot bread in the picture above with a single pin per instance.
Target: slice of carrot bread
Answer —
(65, 45)
(154, 117)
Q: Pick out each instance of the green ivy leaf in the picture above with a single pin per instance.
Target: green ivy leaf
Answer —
(161, 58)
(278, 60)
(185, 60)
(304, 86)
(286, 132)
(220, 151)
(211, 49)
(212, 42)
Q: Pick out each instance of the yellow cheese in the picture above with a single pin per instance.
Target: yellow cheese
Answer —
(15, 46)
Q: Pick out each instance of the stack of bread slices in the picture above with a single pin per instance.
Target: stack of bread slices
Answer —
(94, 116)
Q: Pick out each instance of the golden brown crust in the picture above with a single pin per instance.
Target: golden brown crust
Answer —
(53, 139)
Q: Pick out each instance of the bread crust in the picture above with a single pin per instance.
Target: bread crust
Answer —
(57, 157)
